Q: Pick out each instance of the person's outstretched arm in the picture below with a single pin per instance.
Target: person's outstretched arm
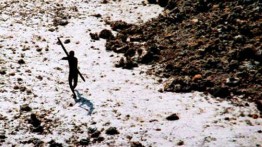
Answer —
(64, 58)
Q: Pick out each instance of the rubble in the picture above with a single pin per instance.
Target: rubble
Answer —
(218, 44)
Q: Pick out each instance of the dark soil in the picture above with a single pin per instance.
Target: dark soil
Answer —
(198, 45)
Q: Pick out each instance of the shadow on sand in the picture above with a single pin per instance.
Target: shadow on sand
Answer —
(84, 102)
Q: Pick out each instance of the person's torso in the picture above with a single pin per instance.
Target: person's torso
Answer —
(72, 64)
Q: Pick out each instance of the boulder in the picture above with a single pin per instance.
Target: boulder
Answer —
(152, 1)
(259, 105)
(172, 117)
(106, 34)
(25, 107)
(136, 144)
(21, 61)
(94, 36)
(52, 143)
(112, 131)
(221, 92)
(162, 3)
(84, 141)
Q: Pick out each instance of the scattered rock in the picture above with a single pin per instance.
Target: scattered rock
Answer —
(60, 21)
(163, 3)
(180, 143)
(232, 81)
(221, 92)
(112, 131)
(16, 87)
(153, 120)
(97, 15)
(29, 91)
(34, 141)
(2, 71)
(52, 143)
(136, 144)
(259, 105)
(2, 135)
(95, 134)
(119, 25)
(197, 77)
(25, 107)
(94, 36)
(67, 41)
(98, 139)
(36, 124)
(21, 61)
(152, 1)
(255, 116)
(171, 5)
(161, 90)
(22, 88)
(38, 49)
(104, 1)
(39, 77)
(12, 73)
(106, 34)
(147, 58)
(92, 130)
(168, 83)
(172, 117)
(51, 29)
(84, 141)
(126, 63)
(121, 63)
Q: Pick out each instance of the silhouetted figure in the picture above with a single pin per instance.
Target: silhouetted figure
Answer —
(73, 71)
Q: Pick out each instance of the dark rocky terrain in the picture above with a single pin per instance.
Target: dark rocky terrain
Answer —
(200, 45)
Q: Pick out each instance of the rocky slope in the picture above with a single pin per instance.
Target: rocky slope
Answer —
(201, 45)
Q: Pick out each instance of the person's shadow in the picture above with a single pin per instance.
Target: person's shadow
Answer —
(83, 101)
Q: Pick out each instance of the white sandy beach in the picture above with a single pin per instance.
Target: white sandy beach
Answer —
(111, 97)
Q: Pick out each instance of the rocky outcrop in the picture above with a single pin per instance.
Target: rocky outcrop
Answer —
(208, 46)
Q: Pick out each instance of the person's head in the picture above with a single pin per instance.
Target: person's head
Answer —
(71, 53)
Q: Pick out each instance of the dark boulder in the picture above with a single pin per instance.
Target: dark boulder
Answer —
(52, 143)
(84, 141)
(171, 4)
(2, 135)
(259, 105)
(147, 58)
(94, 36)
(162, 3)
(136, 144)
(221, 92)
(67, 41)
(120, 25)
(112, 131)
(21, 61)
(152, 1)
(106, 34)
(36, 123)
(172, 117)
(25, 108)
(95, 134)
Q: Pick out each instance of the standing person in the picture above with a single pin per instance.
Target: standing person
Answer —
(73, 71)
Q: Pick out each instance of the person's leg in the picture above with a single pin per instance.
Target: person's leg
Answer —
(75, 81)
(71, 85)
